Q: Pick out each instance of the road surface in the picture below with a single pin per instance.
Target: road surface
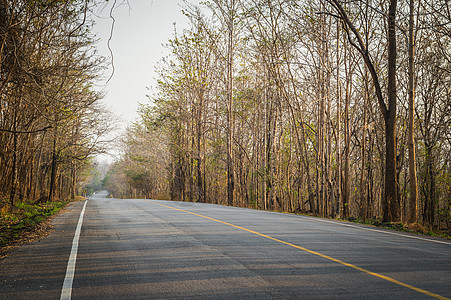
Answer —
(149, 249)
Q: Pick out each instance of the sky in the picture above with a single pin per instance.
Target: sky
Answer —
(141, 29)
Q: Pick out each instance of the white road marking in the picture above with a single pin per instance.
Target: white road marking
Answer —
(382, 231)
(66, 291)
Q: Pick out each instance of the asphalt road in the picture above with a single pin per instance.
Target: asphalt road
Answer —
(148, 249)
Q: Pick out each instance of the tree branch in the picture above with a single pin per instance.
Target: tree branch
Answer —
(110, 38)
(26, 132)
(347, 24)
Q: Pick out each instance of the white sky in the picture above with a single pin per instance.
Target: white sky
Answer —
(139, 33)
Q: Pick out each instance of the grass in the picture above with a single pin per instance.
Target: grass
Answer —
(23, 219)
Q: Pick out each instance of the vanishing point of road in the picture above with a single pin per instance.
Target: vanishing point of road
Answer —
(107, 248)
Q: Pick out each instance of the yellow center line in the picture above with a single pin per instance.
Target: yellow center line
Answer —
(315, 253)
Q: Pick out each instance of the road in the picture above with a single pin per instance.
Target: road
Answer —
(148, 249)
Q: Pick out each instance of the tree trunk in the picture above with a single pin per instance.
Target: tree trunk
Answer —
(430, 185)
(12, 194)
(347, 137)
(230, 169)
(391, 205)
(363, 202)
(200, 185)
(413, 199)
(338, 173)
(347, 179)
(54, 167)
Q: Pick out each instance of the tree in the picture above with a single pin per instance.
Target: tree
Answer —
(390, 205)
(305, 136)
(47, 69)
(413, 202)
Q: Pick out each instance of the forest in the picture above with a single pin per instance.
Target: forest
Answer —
(325, 107)
(51, 121)
(331, 108)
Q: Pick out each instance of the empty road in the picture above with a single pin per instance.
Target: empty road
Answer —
(149, 249)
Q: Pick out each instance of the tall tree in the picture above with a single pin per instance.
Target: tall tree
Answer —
(390, 204)
(413, 199)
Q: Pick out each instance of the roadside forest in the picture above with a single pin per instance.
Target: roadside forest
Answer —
(51, 120)
(329, 107)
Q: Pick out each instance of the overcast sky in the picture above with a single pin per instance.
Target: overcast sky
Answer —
(139, 32)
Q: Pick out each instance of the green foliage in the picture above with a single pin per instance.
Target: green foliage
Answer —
(94, 181)
(25, 218)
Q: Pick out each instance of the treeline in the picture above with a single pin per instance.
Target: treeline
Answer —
(142, 171)
(50, 116)
(323, 106)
